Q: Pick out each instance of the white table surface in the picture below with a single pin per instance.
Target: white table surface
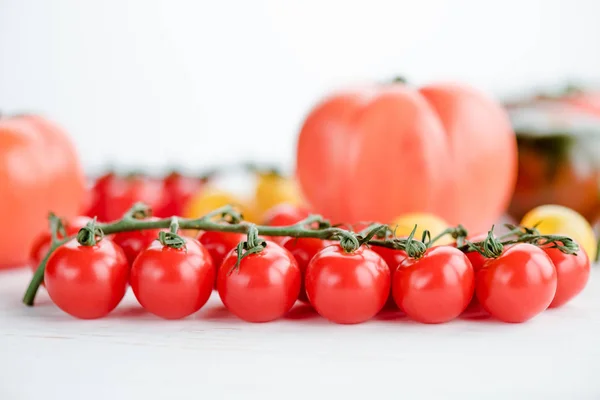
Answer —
(212, 355)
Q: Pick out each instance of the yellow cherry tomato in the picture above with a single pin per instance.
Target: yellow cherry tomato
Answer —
(273, 189)
(559, 220)
(210, 199)
(424, 221)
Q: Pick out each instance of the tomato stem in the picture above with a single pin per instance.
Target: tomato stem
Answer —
(90, 234)
(171, 238)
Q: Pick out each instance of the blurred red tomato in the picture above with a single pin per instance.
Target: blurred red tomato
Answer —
(283, 215)
(443, 141)
(178, 189)
(39, 172)
(96, 197)
(123, 192)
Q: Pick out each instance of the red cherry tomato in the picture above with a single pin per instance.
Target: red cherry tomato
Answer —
(572, 272)
(134, 242)
(518, 285)
(178, 189)
(283, 215)
(42, 243)
(264, 287)
(393, 258)
(435, 288)
(303, 250)
(97, 197)
(219, 244)
(87, 281)
(173, 283)
(124, 192)
(347, 288)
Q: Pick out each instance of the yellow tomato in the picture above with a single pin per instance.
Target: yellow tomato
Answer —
(559, 220)
(424, 221)
(273, 189)
(210, 199)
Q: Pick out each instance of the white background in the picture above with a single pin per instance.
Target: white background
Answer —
(156, 83)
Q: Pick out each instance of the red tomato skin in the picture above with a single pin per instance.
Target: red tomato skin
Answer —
(177, 191)
(87, 282)
(134, 242)
(264, 288)
(219, 244)
(435, 288)
(393, 258)
(97, 197)
(283, 215)
(124, 192)
(347, 288)
(42, 243)
(572, 273)
(39, 172)
(173, 283)
(518, 285)
(303, 250)
(348, 135)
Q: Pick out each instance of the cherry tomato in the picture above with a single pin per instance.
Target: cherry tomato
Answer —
(87, 281)
(572, 273)
(219, 244)
(124, 192)
(283, 215)
(42, 243)
(393, 258)
(210, 199)
(404, 225)
(435, 288)
(264, 287)
(133, 242)
(173, 283)
(518, 285)
(347, 288)
(97, 197)
(178, 190)
(273, 189)
(303, 250)
(558, 220)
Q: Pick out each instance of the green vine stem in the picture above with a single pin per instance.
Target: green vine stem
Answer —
(172, 239)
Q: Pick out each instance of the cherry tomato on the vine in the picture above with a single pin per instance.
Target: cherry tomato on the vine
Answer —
(87, 281)
(219, 244)
(518, 285)
(173, 283)
(559, 220)
(264, 287)
(97, 197)
(283, 215)
(393, 258)
(133, 242)
(436, 287)
(347, 288)
(42, 243)
(178, 190)
(303, 250)
(572, 273)
(124, 192)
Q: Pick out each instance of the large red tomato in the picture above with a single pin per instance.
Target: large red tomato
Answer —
(444, 142)
(39, 172)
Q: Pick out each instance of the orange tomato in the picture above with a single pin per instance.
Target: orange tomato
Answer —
(39, 172)
(389, 150)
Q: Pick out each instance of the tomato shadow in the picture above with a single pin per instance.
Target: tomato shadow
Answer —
(391, 314)
(216, 313)
(475, 312)
(301, 312)
(127, 312)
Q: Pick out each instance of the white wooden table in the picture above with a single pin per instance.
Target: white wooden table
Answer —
(45, 353)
